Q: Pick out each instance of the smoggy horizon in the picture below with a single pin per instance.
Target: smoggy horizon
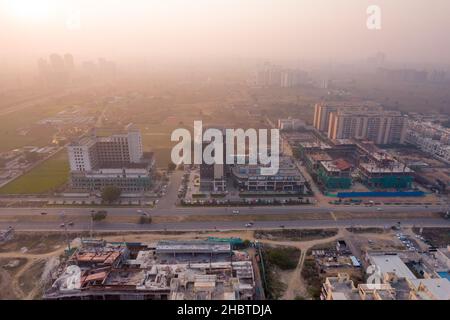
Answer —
(187, 32)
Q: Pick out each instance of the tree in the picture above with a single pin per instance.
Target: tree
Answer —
(111, 194)
(171, 166)
(99, 215)
(145, 219)
(32, 156)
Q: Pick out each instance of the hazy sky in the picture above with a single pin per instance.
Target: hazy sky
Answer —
(326, 30)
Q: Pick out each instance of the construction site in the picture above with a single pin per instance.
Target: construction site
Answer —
(238, 265)
(164, 270)
(349, 169)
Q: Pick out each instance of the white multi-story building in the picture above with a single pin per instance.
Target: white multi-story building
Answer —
(115, 150)
(430, 138)
(290, 124)
(118, 160)
(82, 155)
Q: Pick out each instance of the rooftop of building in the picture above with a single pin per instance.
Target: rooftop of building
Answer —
(351, 104)
(193, 246)
(287, 171)
(105, 136)
(391, 264)
(369, 113)
(337, 165)
(445, 251)
(391, 167)
(315, 145)
(319, 156)
(113, 173)
(437, 288)
(342, 288)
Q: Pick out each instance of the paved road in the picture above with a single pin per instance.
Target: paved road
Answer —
(230, 225)
(328, 222)
(224, 210)
(171, 197)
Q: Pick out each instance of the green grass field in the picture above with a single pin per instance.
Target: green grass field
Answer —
(44, 178)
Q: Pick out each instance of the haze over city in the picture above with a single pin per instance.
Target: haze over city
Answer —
(241, 150)
(319, 31)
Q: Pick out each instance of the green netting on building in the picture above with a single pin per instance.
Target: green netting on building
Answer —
(390, 182)
(331, 182)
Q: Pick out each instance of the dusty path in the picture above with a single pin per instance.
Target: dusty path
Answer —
(31, 260)
(296, 285)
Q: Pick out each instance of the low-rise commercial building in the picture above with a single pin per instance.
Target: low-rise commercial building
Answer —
(288, 178)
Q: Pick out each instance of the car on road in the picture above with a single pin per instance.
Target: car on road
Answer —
(62, 225)
(43, 213)
(70, 224)
(379, 209)
(235, 212)
(249, 225)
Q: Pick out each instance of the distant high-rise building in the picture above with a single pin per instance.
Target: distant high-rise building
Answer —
(57, 63)
(69, 63)
(406, 75)
(275, 76)
(58, 70)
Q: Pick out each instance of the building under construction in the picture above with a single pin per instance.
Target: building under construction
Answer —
(379, 170)
(167, 270)
(338, 164)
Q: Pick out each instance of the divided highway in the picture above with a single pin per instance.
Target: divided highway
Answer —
(36, 225)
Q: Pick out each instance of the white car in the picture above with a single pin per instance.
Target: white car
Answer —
(379, 209)
(235, 211)
(248, 225)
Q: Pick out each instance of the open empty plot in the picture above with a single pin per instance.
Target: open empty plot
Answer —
(45, 177)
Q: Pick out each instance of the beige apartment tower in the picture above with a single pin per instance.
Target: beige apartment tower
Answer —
(379, 127)
(365, 121)
(323, 111)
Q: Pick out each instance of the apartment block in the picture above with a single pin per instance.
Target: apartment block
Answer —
(365, 121)
(430, 138)
(323, 111)
(380, 127)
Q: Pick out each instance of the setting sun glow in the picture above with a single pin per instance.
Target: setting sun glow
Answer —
(30, 9)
